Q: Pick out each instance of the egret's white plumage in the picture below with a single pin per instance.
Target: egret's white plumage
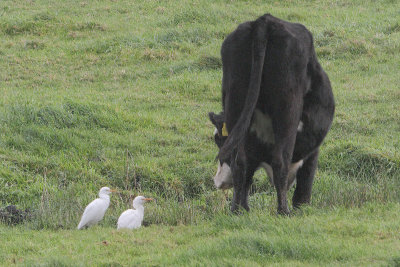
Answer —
(132, 218)
(96, 209)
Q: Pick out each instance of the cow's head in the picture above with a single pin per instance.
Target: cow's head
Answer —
(223, 177)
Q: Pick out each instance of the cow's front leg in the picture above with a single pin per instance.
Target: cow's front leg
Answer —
(238, 181)
(250, 169)
(238, 176)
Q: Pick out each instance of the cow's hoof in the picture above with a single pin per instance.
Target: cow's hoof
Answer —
(285, 212)
(297, 204)
(244, 207)
(238, 210)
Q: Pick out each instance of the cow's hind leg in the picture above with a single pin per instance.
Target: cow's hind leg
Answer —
(305, 177)
(280, 169)
(285, 122)
(281, 160)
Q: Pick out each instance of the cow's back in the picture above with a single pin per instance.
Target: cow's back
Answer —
(289, 49)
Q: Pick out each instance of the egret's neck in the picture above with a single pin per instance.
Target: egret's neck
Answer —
(104, 196)
(139, 208)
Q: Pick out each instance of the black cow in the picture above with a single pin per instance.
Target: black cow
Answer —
(278, 107)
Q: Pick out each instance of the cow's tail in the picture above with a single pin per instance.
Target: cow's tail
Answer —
(237, 134)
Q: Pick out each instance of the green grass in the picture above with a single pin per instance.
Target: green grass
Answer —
(98, 93)
(366, 237)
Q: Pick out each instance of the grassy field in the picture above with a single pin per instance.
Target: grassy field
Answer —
(365, 237)
(116, 93)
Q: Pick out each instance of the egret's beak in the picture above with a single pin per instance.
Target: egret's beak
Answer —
(114, 190)
(148, 199)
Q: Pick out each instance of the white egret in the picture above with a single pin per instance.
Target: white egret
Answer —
(94, 212)
(132, 218)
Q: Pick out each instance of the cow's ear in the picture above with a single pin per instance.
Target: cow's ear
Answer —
(217, 120)
(212, 117)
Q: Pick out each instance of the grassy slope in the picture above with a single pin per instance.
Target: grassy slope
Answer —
(82, 83)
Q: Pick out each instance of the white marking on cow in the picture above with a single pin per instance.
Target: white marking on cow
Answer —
(269, 171)
(223, 177)
(262, 127)
(215, 131)
(293, 168)
(300, 127)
